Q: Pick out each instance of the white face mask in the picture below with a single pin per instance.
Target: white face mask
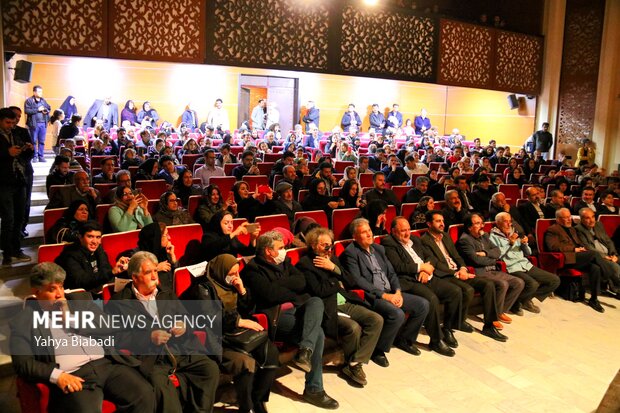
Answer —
(279, 259)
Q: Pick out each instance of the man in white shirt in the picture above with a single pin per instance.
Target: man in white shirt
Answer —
(209, 169)
(218, 117)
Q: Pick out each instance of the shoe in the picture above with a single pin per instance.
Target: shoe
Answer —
(355, 373)
(320, 399)
(498, 325)
(34, 160)
(24, 233)
(404, 345)
(448, 338)
(42, 159)
(21, 257)
(531, 307)
(504, 318)
(596, 305)
(492, 332)
(441, 348)
(466, 327)
(380, 359)
(260, 407)
(7, 261)
(516, 309)
(302, 359)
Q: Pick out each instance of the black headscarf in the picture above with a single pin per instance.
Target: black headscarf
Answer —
(149, 240)
(68, 109)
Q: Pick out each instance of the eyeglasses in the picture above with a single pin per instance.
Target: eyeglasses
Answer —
(173, 200)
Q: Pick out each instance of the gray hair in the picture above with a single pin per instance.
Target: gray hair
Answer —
(421, 179)
(583, 211)
(312, 237)
(559, 211)
(450, 192)
(266, 241)
(356, 223)
(496, 195)
(501, 217)
(136, 261)
(121, 173)
(47, 273)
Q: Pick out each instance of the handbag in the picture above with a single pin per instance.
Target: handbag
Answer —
(244, 339)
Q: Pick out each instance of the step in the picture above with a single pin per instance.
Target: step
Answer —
(35, 235)
(36, 214)
(39, 187)
(39, 199)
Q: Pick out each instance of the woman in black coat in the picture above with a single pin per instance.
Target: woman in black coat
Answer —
(66, 229)
(154, 238)
(375, 213)
(357, 334)
(220, 238)
(252, 206)
(318, 200)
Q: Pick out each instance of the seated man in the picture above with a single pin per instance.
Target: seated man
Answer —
(562, 237)
(286, 204)
(370, 270)
(247, 166)
(595, 238)
(381, 192)
(123, 178)
(587, 200)
(481, 196)
(81, 189)
(61, 173)
(164, 351)
(451, 267)
(273, 281)
(290, 176)
(86, 262)
(209, 169)
(79, 376)
(478, 251)
(557, 202)
(421, 187)
(395, 174)
(107, 175)
(533, 209)
(514, 248)
(358, 330)
(167, 170)
(462, 188)
(453, 212)
(415, 268)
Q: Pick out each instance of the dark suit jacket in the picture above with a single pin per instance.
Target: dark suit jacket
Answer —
(388, 196)
(530, 215)
(110, 121)
(557, 240)
(587, 238)
(442, 269)
(580, 205)
(356, 263)
(469, 246)
(65, 196)
(406, 269)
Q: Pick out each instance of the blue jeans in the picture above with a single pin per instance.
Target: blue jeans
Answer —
(12, 208)
(38, 139)
(303, 325)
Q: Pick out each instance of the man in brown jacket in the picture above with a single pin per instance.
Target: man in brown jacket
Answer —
(562, 237)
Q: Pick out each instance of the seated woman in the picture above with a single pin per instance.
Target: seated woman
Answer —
(376, 214)
(350, 194)
(155, 239)
(147, 171)
(129, 211)
(184, 187)
(516, 177)
(170, 213)
(66, 229)
(211, 203)
(358, 333)
(417, 220)
(189, 148)
(252, 206)
(318, 200)
(606, 205)
(254, 371)
(350, 172)
(220, 238)
(130, 158)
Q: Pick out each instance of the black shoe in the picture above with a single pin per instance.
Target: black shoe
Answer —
(320, 399)
(596, 305)
(531, 307)
(449, 339)
(441, 348)
(303, 359)
(41, 159)
(355, 373)
(516, 309)
(492, 332)
(21, 257)
(404, 345)
(380, 359)
(466, 327)
(7, 261)
(260, 407)
(34, 160)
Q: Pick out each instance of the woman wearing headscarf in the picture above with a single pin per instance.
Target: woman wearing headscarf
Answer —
(350, 194)
(129, 114)
(252, 206)
(129, 212)
(155, 239)
(375, 213)
(221, 238)
(211, 203)
(170, 213)
(69, 108)
(148, 116)
(184, 187)
(147, 171)
(66, 228)
(417, 220)
(317, 198)
(255, 371)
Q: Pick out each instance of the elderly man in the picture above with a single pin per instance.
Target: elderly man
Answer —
(379, 191)
(514, 248)
(562, 237)
(557, 201)
(415, 268)
(370, 270)
(421, 187)
(595, 238)
(453, 211)
(273, 281)
(478, 251)
(79, 376)
(164, 350)
(209, 169)
(123, 178)
(533, 209)
(81, 189)
(286, 203)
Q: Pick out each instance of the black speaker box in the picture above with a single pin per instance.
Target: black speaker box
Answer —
(23, 71)
(513, 102)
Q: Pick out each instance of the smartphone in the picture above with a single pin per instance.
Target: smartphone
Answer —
(252, 227)
(137, 191)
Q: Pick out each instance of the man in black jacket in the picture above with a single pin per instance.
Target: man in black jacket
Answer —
(85, 374)
(274, 281)
(415, 269)
(381, 192)
(453, 211)
(420, 190)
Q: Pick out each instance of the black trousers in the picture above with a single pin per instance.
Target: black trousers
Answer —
(439, 291)
(486, 288)
(591, 263)
(120, 384)
(253, 387)
(538, 283)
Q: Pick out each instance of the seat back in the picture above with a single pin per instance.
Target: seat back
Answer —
(104, 189)
(187, 240)
(400, 191)
(366, 180)
(610, 222)
(228, 168)
(269, 222)
(407, 209)
(390, 214)
(182, 280)
(341, 218)
(339, 246)
(152, 189)
(101, 213)
(339, 166)
(295, 254)
(510, 190)
(541, 227)
(255, 181)
(49, 252)
(455, 231)
(224, 183)
(190, 159)
(50, 216)
(115, 244)
(265, 167)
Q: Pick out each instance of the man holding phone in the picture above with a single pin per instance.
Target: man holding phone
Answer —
(38, 111)
(247, 167)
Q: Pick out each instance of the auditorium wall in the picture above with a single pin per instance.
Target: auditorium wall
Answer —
(170, 86)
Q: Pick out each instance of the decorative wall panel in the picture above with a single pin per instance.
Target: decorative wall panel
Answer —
(466, 54)
(277, 33)
(158, 30)
(583, 30)
(384, 42)
(72, 27)
(518, 63)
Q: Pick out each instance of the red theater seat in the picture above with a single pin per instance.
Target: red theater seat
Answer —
(225, 183)
(269, 222)
(48, 253)
(407, 209)
(152, 189)
(319, 216)
(119, 242)
(50, 216)
(341, 218)
(610, 222)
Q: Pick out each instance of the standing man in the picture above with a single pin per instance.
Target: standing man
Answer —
(259, 115)
(104, 111)
(24, 136)
(14, 155)
(38, 111)
(218, 117)
(351, 119)
(376, 119)
(312, 116)
(394, 117)
(421, 123)
(543, 140)
(190, 118)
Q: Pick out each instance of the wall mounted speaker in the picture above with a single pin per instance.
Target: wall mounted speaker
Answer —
(513, 102)
(23, 71)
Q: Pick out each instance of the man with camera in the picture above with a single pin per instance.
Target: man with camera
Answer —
(38, 111)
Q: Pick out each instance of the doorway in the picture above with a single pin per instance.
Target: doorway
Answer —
(283, 91)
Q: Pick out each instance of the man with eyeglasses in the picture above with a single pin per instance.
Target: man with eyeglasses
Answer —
(209, 169)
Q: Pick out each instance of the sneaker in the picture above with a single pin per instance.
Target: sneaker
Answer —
(21, 257)
(355, 373)
(41, 159)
